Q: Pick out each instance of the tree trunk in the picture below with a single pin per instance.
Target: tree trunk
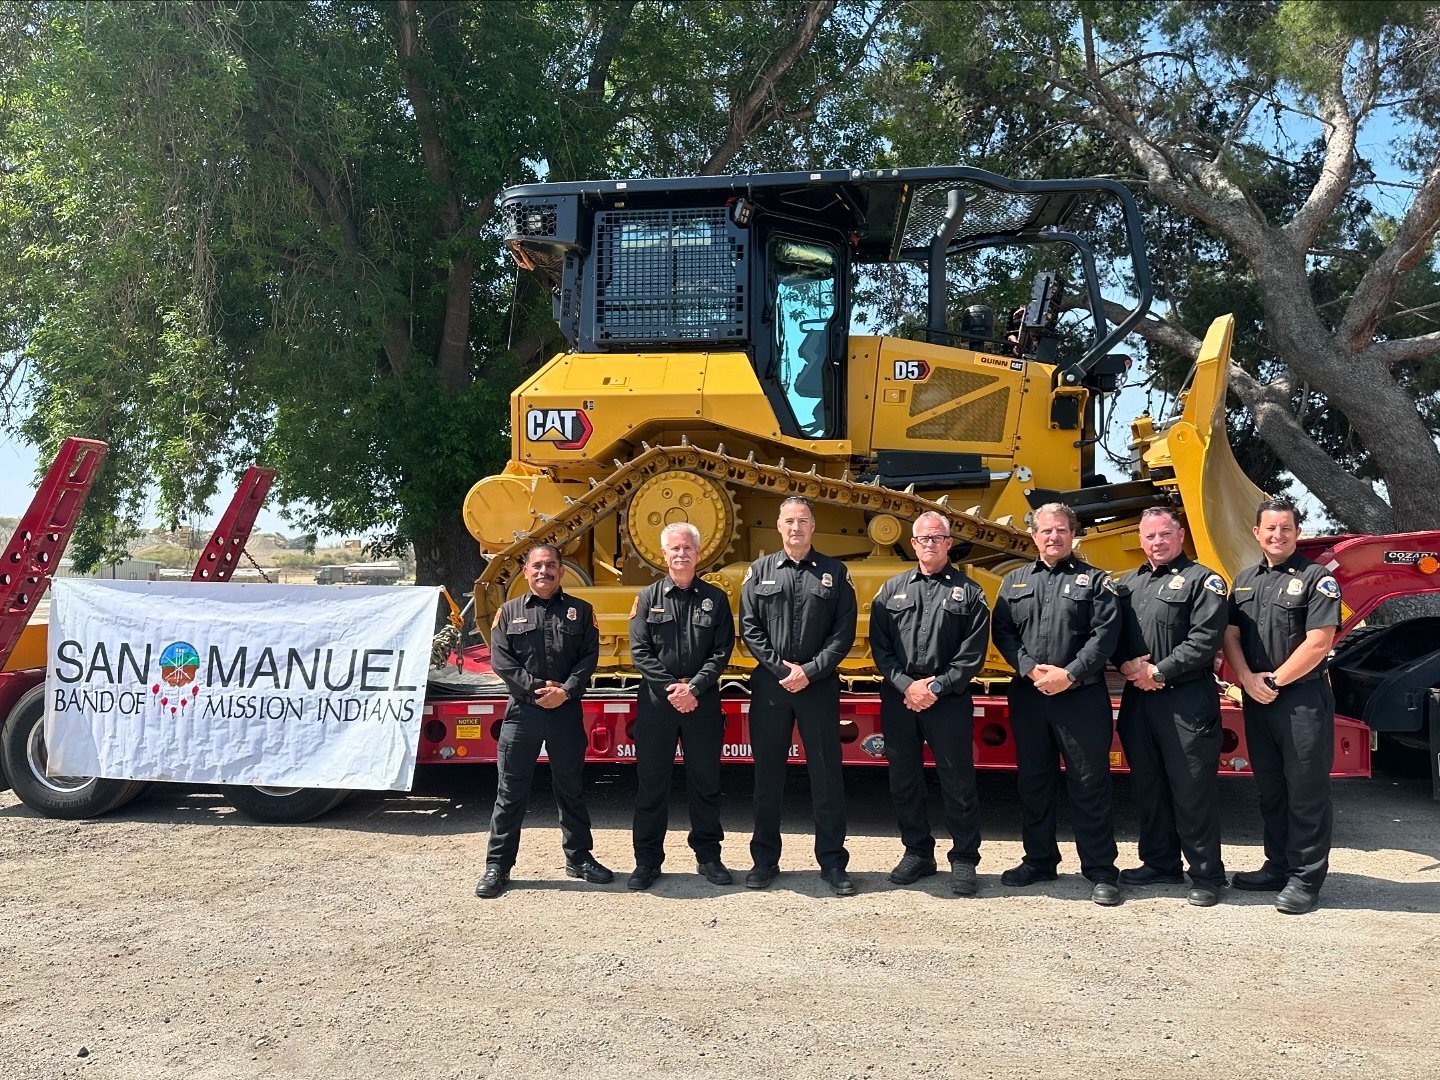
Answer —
(449, 556)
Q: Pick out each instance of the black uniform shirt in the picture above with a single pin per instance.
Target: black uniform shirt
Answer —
(681, 635)
(1176, 613)
(534, 641)
(802, 612)
(1065, 615)
(1276, 606)
(931, 627)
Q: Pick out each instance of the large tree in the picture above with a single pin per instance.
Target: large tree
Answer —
(239, 229)
(1255, 133)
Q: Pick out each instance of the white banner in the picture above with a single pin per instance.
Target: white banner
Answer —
(278, 685)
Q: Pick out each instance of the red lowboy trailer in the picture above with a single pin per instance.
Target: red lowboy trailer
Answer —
(1385, 676)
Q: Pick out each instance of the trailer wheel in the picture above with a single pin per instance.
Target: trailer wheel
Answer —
(22, 750)
(283, 805)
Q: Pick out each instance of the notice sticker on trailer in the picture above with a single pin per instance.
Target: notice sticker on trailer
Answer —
(469, 731)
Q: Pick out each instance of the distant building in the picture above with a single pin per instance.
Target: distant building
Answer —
(124, 570)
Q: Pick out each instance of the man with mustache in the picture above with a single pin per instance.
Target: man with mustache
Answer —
(544, 646)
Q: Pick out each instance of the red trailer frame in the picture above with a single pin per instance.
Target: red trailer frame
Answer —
(465, 730)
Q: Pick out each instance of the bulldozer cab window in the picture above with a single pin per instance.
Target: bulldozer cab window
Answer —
(803, 279)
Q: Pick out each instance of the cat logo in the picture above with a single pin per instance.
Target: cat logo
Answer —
(568, 429)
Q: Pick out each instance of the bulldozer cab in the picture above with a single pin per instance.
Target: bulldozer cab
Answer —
(771, 264)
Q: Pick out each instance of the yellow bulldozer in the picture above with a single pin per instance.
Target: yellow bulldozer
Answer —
(715, 369)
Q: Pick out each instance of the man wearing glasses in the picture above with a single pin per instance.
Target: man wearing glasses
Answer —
(928, 631)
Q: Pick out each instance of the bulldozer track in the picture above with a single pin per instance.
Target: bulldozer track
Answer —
(608, 496)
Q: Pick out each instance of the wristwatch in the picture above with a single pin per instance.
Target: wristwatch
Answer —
(1159, 676)
(937, 687)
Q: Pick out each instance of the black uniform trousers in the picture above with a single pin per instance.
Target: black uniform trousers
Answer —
(524, 729)
(948, 726)
(1292, 750)
(1172, 740)
(774, 713)
(1076, 725)
(659, 728)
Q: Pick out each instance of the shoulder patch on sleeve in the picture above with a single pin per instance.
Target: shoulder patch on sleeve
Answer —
(748, 571)
(1328, 586)
(634, 605)
(1216, 584)
(496, 621)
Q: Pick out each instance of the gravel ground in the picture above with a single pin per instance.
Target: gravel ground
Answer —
(178, 939)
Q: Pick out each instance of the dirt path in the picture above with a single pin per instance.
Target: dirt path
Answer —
(177, 939)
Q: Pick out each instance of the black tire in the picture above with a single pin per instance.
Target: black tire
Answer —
(22, 750)
(283, 806)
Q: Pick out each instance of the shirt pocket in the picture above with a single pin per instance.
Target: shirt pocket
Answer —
(818, 589)
(703, 618)
(523, 633)
(1020, 598)
(573, 626)
(1291, 610)
(955, 609)
(1172, 608)
(1022, 603)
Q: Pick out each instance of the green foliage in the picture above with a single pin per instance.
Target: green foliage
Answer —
(1006, 87)
(240, 229)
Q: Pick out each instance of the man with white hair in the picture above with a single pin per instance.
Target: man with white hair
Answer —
(681, 635)
(928, 631)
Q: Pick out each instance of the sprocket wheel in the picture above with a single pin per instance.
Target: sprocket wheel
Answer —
(673, 496)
